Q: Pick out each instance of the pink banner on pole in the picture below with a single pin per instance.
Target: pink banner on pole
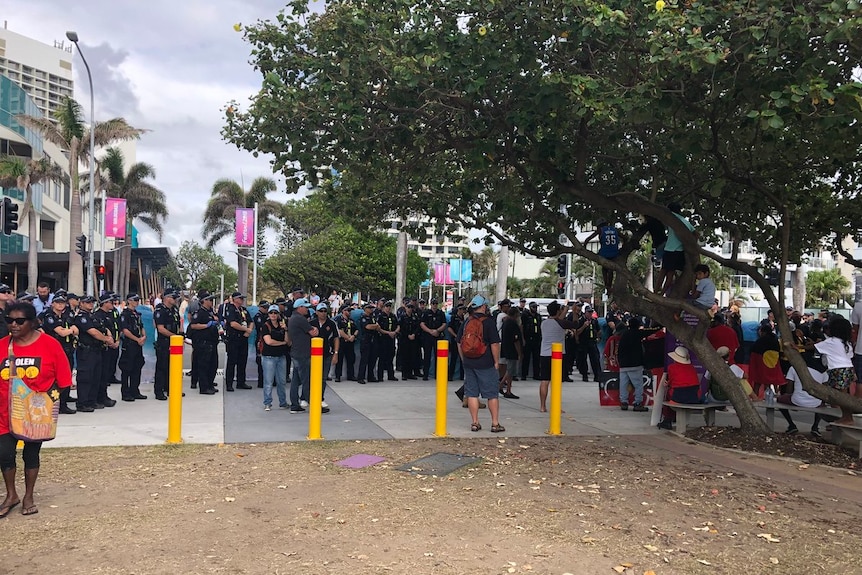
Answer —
(245, 226)
(441, 274)
(115, 218)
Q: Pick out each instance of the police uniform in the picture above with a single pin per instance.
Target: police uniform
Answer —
(412, 355)
(432, 320)
(103, 320)
(329, 332)
(346, 350)
(367, 346)
(587, 345)
(386, 343)
(259, 319)
(116, 330)
(132, 358)
(237, 343)
(531, 322)
(50, 322)
(452, 332)
(205, 345)
(169, 318)
(88, 355)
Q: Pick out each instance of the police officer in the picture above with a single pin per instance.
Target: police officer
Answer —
(387, 331)
(531, 323)
(328, 331)
(238, 326)
(5, 298)
(399, 353)
(408, 332)
(166, 317)
(103, 319)
(259, 319)
(433, 326)
(132, 358)
(116, 330)
(205, 336)
(91, 341)
(57, 326)
(367, 344)
(347, 331)
(452, 334)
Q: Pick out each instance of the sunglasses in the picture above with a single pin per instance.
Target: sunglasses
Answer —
(273, 313)
(16, 320)
(6, 291)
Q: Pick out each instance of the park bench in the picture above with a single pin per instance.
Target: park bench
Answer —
(854, 432)
(683, 410)
(770, 411)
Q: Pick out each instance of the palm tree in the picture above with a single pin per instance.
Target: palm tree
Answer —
(484, 266)
(143, 201)
(22, 173)
(825, 287)
(71, 134)
(220, 215)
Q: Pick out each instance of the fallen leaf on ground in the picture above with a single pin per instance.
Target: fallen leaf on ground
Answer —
(769, 537)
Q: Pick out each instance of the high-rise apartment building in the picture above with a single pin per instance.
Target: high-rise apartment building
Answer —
(42, 70)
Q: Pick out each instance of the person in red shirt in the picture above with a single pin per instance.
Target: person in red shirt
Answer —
(45, 363)
(682, 383)
(722, 335)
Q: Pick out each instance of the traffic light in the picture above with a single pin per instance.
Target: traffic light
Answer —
(100, 273)
(81, 242)
(561, 289)
(562, 266)
(773, 276)
(10, 216)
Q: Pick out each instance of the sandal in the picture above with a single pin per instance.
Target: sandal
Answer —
(497, 428)
(8, 508)
(476, 427)
(32, 510)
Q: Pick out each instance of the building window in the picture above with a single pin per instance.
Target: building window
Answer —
(47, 234)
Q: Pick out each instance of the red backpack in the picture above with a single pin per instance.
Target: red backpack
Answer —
(473, 339)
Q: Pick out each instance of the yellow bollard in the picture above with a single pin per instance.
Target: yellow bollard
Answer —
(175, 391)
(316, 391)
(442, 386)
(556, 389)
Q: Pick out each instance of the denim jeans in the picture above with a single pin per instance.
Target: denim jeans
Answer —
(635, 376)
(300, 378)
(274, 372)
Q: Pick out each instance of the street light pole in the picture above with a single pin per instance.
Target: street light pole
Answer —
(73, 37)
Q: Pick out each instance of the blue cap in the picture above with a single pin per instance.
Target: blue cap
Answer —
(478, 301)
(322, 307)
(301, 302)
(273, 307)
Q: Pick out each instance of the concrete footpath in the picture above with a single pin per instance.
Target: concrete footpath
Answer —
(385, 410)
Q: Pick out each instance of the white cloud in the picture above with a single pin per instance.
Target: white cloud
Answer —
(169, 67)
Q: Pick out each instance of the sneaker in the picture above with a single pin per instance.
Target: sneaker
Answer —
(639, 407)
(624, 406)
(303, 403)
(297, 409)
(665, 425)
(324, 404)
(282, 406)
(792, 430)
(816, 433)
(267, 408)
(511, 395)
(324, 410)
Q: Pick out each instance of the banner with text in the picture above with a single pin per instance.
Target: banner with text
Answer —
(115, 218)
(245, 226)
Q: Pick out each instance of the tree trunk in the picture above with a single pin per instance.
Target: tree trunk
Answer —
(76, 265)
(33, 245)
(799, 290)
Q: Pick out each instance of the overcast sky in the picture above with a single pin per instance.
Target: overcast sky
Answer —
(169, 67)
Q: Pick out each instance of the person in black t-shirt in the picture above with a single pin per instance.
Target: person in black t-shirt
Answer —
(273, 354)
(205, 337)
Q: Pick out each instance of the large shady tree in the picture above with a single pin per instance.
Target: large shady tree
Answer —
(527, 119)
(70, 133)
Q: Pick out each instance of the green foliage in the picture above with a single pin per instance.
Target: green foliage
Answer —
(824, 288)
(344, 259)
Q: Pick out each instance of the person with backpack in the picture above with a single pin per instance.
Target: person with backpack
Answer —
(479, 348)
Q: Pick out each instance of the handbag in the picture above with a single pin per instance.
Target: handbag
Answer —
(32, 414)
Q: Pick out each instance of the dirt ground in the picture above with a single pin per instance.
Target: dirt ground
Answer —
(801, 446)
(543, 505)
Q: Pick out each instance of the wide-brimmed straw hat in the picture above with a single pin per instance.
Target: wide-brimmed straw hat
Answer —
(680, 355)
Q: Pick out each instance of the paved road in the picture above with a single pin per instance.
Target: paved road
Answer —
(385, 410)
